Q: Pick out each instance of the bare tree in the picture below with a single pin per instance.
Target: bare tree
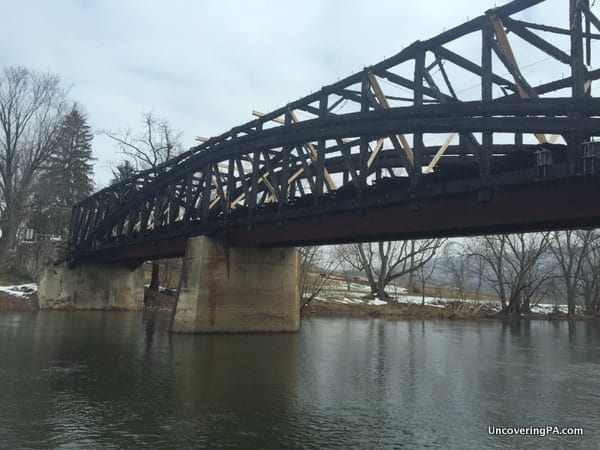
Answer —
(456, 264)
(570, 248)
(345, 269)
(316, 268)
(513, 266)
(424, 274)
(590, 276)
(384, 262)
(464, 271)
(155, 143)
(32, 106)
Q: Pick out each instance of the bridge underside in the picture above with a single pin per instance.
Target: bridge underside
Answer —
(558, 204)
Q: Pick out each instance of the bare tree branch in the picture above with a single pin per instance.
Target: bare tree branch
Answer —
(32, 106)
(384, 262)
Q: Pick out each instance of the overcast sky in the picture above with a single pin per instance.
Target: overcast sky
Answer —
(204, 65)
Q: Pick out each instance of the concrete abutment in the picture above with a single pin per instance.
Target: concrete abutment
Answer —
(91, 287)
(227, 289)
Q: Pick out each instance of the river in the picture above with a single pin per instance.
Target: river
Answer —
(120, 380)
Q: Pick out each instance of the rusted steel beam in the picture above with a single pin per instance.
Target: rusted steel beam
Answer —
(544, 207)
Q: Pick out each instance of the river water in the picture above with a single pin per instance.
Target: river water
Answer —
(120, 380)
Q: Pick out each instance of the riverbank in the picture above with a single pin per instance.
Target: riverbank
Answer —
(451, 309)
(164, 300)
(18, 295)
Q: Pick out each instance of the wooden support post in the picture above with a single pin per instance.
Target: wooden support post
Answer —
(314, 155)
(364, 141)
(375, 152)
(401, 138)
(285, 169)
(577, 65)
(309, 147)
(206, 189)
(418, 146)
(189, 201)
(74, 225)
(519, 139)
(575, 141)
(440, 153)
(485, 157)
(155, 208)
(504, 51)
(230, 185)
(173, 206)
(320, 162)
(255, 179)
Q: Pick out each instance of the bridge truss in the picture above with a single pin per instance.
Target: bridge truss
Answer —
(402, 131)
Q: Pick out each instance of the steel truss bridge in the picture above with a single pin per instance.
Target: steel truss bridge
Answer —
(401, 149)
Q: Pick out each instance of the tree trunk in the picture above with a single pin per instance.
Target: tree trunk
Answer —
(8, 240)
(504, 305)
(4, 247)
(365, 263)
(154, 281)
(381, 288)
(587, 301)
(571, 293)
(411, 279)
(514, 305)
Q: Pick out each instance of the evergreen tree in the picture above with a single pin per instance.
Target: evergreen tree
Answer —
(67, 177)
(123, 171)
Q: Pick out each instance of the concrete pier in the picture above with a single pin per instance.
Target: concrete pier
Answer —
(91, 287)
(227, 289)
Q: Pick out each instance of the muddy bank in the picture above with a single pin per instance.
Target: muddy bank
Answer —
(11, 303)
(455, 310)
(450, 310)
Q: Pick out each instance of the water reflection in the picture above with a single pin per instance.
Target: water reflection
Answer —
(102, 380)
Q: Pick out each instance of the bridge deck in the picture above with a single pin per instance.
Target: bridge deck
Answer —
(561, 203)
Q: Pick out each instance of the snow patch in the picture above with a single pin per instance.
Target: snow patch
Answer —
(377, 302)
(548, 309)
(163, 289)
(349, 301)
(20, 290)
